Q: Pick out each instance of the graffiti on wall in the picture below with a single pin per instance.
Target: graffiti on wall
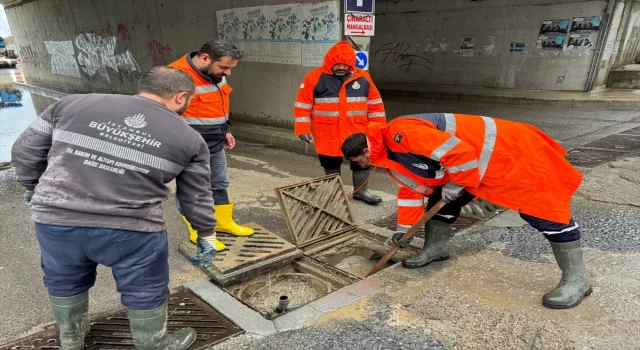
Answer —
(157, 51)
(28, 56)
(62, 58)
(403, 55)
(97, 58)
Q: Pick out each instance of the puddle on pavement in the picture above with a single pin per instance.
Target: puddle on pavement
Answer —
(16, 113)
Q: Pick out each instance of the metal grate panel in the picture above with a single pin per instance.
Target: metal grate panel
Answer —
(315, 209)
(243, 255)
(111, 331)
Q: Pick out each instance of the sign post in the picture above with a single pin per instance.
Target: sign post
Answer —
(361, 25)
(359, 6)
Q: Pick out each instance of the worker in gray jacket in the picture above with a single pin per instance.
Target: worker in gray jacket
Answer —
(95, 168)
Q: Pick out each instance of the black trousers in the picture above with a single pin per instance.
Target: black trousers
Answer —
(330, 163)
(553, 231)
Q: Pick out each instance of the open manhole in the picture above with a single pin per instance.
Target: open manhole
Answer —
(588, 157)
(332, 251)
(111, 330)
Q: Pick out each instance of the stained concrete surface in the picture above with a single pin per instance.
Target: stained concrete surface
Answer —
(486, 296)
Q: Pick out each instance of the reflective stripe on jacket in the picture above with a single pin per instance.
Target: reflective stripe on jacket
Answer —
(331, 107)
(510, 164)
(210, 105)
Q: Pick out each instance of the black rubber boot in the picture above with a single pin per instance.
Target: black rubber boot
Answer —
(574, 284)
(149, 330)
(436, 245)
(359, 178)
(331, 171)
(72, 316)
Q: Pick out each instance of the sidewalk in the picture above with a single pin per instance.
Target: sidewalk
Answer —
(606, 99)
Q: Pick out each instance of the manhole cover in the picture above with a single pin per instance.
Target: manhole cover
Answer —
(585, 157)
(617, 142)
(243, 255)
(111, 331)
(316, 209)
(390, 222)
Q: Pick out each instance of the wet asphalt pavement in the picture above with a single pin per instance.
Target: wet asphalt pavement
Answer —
(611, 235)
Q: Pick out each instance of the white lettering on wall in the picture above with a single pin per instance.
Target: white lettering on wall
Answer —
(97, 58)
(63, 60)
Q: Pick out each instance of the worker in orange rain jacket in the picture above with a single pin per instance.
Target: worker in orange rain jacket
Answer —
(208, 114)
(458, 157)
(335, 101)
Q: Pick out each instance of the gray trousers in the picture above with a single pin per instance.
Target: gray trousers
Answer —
(219, 179)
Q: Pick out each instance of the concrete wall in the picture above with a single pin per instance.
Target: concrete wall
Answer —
(419, 42)
(104, 46)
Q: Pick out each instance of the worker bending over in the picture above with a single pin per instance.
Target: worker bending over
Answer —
(335, 101)
(458, 157)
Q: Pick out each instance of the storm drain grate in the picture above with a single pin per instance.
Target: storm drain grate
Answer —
(242, 254)
(588, 158)
(111, 331)
(620, 142)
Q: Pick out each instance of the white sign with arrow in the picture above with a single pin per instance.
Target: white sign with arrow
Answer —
(360, 25)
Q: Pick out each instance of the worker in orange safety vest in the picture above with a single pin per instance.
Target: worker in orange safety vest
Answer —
(333, 102)
(208, 114)
(459, 157)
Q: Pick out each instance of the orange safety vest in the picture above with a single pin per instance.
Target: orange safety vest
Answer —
(210, 105)
(332, 110)
(510, 164)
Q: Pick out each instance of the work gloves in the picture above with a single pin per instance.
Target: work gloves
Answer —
(27, 197)
(451, 192)
(306, 138)
(206, 251)
(396, 240)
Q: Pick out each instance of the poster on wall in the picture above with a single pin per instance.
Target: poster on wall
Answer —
(467, 47)
(552, 34)
(285, 33)
(554, 26)
(255, 33)
(320, 25)
(230, 26)
(551, 41)
(585, 24)
(579, 40)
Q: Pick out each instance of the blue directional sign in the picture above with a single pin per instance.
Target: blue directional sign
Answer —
(359, 6)
(362, 60)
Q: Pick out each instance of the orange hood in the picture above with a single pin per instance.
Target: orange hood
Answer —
(377, 144)
(341, 52)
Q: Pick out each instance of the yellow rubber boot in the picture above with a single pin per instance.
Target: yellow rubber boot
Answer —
(224, 217)
(193, 235)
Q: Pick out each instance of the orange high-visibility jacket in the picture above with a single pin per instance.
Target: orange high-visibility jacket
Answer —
(332, 110)
(210, 105)
(510, 164)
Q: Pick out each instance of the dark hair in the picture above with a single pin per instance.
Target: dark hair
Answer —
(166, 82)
(354, 145)
(217, 49)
